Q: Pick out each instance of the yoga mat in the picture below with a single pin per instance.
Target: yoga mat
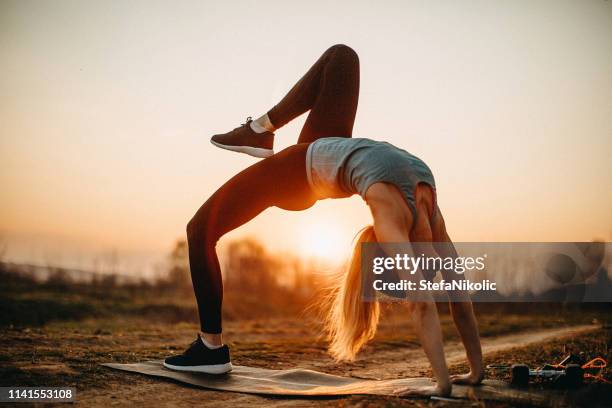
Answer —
(304, 383)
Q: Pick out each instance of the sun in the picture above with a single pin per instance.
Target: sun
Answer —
(324, 240)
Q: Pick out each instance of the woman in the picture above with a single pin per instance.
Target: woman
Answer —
(325, 163)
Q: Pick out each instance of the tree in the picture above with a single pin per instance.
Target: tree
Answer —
(179, 277)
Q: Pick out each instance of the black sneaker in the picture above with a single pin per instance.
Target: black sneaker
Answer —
(243, 139)
(200, 359)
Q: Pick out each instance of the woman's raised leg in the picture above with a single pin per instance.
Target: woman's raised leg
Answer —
(329, 90)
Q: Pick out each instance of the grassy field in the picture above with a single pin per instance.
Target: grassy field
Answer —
(59, 335)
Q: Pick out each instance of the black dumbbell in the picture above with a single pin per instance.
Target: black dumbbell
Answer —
(573, 375)
(520, 375)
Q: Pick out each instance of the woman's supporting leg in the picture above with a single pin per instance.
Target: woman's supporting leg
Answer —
(330, 90)
(277, 181)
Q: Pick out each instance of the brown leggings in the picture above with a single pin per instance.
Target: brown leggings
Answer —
(330, 90)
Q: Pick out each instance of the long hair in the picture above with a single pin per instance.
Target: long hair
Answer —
(350, 321)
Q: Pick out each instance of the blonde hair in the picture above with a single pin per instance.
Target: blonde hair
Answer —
(350, 321)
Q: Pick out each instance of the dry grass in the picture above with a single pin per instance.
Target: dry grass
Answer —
(59, 337)
(69, 353)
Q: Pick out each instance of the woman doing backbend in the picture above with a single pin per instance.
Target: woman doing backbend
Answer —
(326, 162)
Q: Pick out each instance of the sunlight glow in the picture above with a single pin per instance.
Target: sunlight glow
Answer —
(323, 240)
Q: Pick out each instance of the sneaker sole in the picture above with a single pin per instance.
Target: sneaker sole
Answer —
(207, 369)
(251, 151)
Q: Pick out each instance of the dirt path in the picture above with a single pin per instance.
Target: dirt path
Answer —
(400, 362)
(408, 363)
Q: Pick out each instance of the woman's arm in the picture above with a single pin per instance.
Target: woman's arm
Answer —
(463, 316)
(392, 224)
(461, 308)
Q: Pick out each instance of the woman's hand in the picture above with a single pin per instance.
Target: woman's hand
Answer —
(426, 391)
(467, 379)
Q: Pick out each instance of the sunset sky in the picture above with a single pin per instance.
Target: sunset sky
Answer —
(107, 108)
